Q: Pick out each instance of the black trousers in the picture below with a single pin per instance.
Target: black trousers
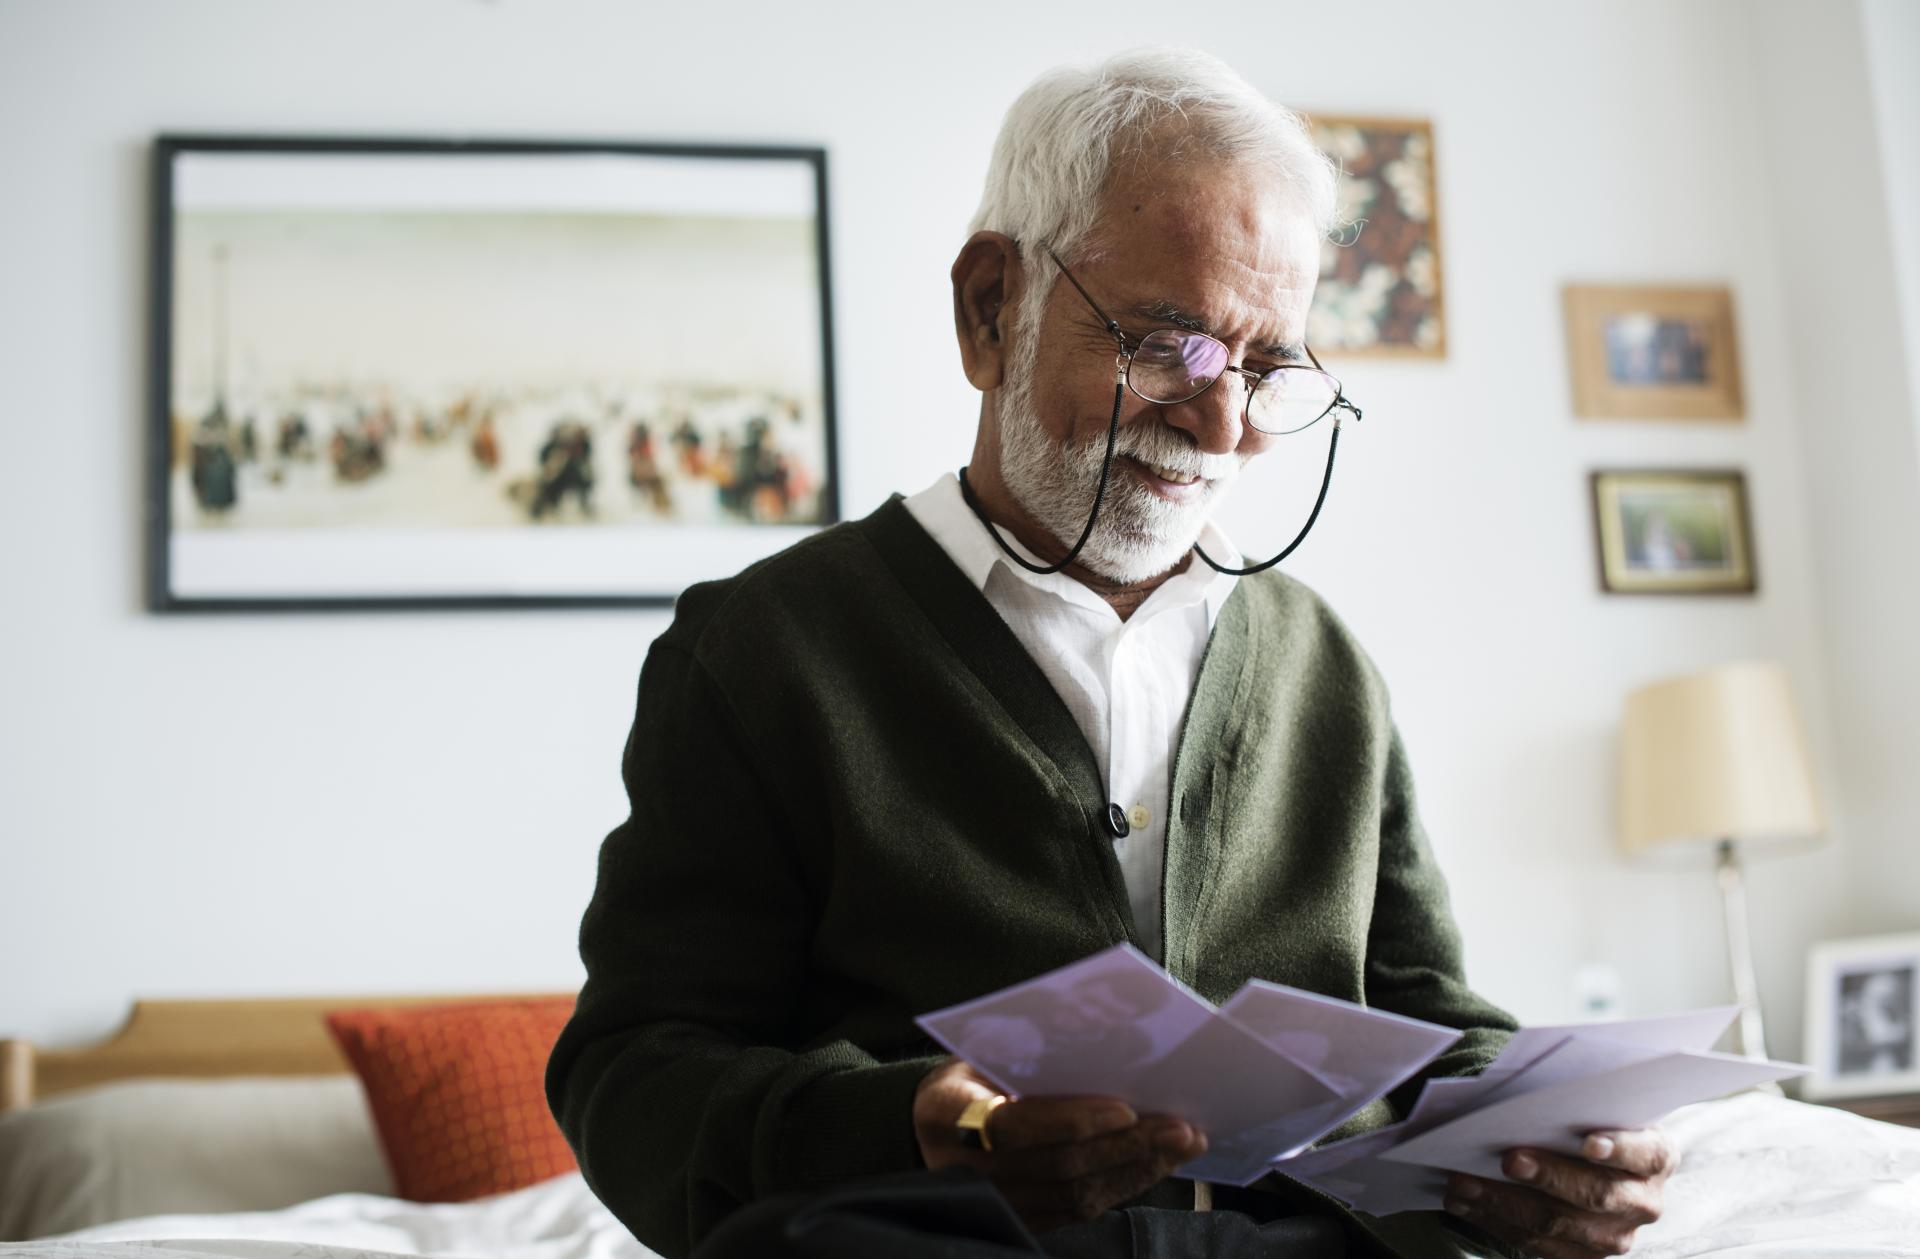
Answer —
(956, 1213)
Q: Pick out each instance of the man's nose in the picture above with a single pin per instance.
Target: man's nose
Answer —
(1214, 419)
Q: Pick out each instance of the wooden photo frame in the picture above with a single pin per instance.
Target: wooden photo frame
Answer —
(1645, 352)
(417, 373)
(1380, 292)
(1863, 1017)
(1673, 532)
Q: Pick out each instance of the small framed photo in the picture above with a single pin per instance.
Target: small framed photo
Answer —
(418, 373)
(1673, 532)
(1379, 292)
(1640, 352)
(1862, 1036)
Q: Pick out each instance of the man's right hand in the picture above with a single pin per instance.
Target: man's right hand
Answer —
(1055, 1159)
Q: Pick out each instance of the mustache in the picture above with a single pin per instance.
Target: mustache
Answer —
(1164, 446)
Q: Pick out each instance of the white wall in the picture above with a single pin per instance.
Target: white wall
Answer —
(1846, 198)
(1890, 33)
(288, 804)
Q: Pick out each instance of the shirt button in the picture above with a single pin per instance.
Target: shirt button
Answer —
(1138, 816)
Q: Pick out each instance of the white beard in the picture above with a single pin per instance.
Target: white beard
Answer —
(1139, 535)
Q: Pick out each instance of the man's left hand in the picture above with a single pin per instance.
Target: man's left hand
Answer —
(1572, 1208)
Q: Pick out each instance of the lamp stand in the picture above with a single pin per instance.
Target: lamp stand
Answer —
(1752, 1036)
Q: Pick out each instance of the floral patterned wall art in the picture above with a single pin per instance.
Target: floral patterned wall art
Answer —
(1380, 290)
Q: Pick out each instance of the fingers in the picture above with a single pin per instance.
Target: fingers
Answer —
(948, 1089)
(1572, 1208)
(1645, 1152)
(1585, 1185)
(1546, 1225)
(1044, 1121)
(938, 1102)
(1056, 1159)
(1156, 1145)
(1054, 1185)
(1137, 1144)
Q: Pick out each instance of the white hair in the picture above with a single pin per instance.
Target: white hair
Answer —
(1045, 187)
(1061, 137)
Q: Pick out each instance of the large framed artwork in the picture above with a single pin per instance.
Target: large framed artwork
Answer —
(1379, 291)
(417, 373)
(1653, 352)
(1680, 532)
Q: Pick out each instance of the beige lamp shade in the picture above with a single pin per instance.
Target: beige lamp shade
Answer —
(1712, 756)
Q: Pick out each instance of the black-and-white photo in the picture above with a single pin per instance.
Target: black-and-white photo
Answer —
(1863, 998)
(1874, 1017)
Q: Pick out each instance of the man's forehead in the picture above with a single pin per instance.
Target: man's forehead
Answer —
(1222, 255)
(1195, 203)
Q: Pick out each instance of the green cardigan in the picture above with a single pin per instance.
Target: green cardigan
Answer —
(856, 798)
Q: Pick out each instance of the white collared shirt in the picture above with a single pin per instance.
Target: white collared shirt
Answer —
(1125, 682)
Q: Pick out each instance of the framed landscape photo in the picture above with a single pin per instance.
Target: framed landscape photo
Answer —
(1863, 1000)
(1642, 352)
(420, 373)
(1379, 291)
(1673, 532)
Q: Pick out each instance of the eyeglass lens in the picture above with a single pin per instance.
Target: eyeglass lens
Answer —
(1173, 365)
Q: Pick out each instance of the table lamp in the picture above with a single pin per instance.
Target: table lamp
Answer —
(1717, 761)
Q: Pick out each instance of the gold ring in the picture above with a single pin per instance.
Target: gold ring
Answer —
(973, 1121)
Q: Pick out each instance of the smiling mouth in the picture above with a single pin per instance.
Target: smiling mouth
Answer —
(1166, 474)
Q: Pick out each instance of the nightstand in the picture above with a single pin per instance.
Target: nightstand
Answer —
(1903, 1109)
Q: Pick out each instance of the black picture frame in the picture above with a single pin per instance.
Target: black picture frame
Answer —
(164, 585)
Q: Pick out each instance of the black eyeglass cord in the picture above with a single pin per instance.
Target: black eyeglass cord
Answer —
(1333, 445)
(1099, 493)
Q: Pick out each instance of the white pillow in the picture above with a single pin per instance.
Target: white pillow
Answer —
(161, 1146)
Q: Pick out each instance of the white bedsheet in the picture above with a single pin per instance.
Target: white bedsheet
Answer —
(1760, 1176)
(555, 1219)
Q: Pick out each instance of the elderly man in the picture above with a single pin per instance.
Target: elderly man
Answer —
(1027, 713)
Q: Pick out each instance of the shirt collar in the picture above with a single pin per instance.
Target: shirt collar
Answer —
(942, 510)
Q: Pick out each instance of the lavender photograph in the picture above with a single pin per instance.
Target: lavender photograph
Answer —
(489, 374)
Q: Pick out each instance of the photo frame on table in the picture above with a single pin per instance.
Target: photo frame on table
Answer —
(416, 373)
(1647, 352)
(1673, 532)
(1380, 291)
(1863, 1017)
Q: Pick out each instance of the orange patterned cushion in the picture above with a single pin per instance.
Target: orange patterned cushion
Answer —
(458, 1094)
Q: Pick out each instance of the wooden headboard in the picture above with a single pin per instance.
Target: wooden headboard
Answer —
(240, 1036)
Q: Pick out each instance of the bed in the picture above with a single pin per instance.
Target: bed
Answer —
(240, 1129)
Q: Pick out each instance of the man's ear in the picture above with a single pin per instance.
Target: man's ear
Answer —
(987, 281)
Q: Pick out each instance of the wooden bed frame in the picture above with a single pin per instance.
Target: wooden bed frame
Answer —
(242, 1036)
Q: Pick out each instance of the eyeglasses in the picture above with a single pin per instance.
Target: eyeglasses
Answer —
(1172, 365)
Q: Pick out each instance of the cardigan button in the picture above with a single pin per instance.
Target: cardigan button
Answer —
(1117, 821)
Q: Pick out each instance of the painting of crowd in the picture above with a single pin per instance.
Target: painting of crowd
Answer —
(333, 456)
